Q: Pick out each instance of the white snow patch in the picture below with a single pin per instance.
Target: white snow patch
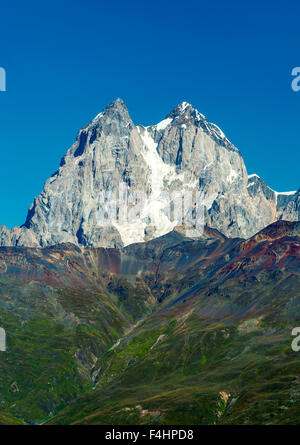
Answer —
(208, 202)
(131, 232)
(158, 202)
(285, 193)
(232, 176)
(218, 131)
(163, 124)
(156, 207)
(98, 116)
(183, 106)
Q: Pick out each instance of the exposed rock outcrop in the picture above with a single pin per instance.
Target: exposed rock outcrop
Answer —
(120, 183)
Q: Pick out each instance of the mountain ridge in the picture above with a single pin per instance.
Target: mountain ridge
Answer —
(154, 332)
(183, 154)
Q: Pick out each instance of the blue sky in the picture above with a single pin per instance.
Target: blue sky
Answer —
(66, 60)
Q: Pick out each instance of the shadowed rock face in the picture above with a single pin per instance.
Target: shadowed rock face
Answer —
(184, 152)
(289, 207)
(170, 325)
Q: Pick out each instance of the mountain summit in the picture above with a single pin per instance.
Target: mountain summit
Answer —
(134, 173)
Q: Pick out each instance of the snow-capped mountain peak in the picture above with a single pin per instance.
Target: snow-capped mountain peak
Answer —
(184, 154)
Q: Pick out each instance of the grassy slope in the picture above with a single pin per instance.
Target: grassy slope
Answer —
(7, 419)
(59, 314)
(216, 349)
(238, 369)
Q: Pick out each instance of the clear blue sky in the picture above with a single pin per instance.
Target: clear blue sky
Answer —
(66, 60)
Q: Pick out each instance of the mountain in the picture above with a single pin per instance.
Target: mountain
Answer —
(171, 331)
(120, 183)
(153, 282)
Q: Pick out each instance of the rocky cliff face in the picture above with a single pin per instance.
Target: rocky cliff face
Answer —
(120, 183)
(289, 206)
